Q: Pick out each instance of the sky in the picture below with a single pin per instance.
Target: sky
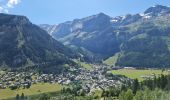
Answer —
(58, 11)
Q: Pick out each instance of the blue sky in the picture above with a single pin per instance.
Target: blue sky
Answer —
(58, 11)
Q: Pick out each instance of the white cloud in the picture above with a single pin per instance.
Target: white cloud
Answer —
(8, 4)
(1, 9)
(12, 3)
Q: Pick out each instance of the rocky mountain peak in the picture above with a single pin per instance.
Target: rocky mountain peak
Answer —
(157, 10)
(13, 19)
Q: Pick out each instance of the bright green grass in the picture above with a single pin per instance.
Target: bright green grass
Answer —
(84, 64)
(137, 73)
(112, 60)
(98, 93)
(34, 90)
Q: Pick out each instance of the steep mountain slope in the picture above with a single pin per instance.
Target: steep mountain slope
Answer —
(93, 33)
(140, 40)
(149, 46)
(24, 44)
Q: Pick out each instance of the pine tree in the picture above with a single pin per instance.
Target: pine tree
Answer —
(22, 96)
(129, 95)
(135, 86)
(122, 95)
(17, 97)
(103, 93)
(155, 82)
(163, 82)
(138, 96)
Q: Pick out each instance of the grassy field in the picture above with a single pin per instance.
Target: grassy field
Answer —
(84, 64)
(137, 73)
(34, 90)
(112, 60)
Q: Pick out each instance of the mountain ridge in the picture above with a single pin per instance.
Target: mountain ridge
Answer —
(107, 36)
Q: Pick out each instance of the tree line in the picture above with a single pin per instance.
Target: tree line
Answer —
(149, 89)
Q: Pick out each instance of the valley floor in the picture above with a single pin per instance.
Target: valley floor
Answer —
(89, 80)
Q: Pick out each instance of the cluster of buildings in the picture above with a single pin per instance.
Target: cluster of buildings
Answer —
(90, 80)
(97, 79)
(16, 80)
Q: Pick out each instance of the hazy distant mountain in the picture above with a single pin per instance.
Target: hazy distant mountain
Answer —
(49, 28)
(140, 40)
(24, 44)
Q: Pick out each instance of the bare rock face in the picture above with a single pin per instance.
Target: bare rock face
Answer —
(157, 10)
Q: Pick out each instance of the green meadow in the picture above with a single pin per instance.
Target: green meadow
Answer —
(134, 73)
(84, 64)
(33, 90)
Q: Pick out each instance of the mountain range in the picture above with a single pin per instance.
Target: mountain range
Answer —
(138, 40)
